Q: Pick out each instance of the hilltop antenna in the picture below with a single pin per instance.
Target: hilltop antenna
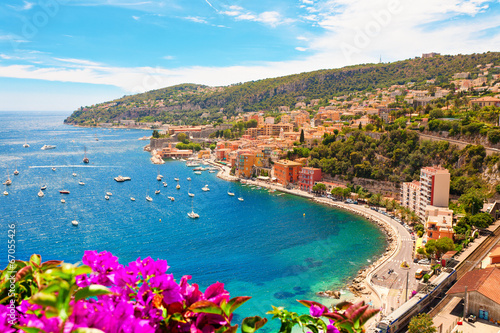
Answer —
(380, 61)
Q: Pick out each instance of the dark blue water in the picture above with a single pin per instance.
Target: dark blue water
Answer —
(264, 247)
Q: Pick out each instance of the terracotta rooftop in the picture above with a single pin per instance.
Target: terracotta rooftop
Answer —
(485, 281)
(495, 252)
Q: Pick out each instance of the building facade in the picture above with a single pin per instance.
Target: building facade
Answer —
(308, 177)
(286, 172)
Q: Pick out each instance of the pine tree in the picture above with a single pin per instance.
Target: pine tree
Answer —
(302, 136)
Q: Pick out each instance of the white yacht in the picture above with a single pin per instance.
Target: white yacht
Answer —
(5, 193)
(132, 198)
(212, 171)
(81, 183)
(176, 179)
(240, 199)
(63, 201)
(178, 187)
(121, 179)
(197, 172)
(109, 193)
(205, 188)
(74, 222)
(106, 197)
(189, 178)
(230, 194)
(164, 184)
(43, 188)
(40, 193)
(148, 198)
(193, 215)
(192, 164)
(46, 147)
(191, 194)
(73, 174)
(157, 192)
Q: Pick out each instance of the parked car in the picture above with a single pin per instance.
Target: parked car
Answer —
(424, 262)
(472, 318)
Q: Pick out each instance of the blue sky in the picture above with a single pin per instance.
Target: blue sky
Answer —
(62, 54)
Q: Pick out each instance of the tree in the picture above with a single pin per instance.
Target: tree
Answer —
(156, 134)
(319, 187)
(421, 324)
(481, 220)
(430, 247)
(227, 134)
(472, 201)
(302, 140)
(443, 245)
(182, 137)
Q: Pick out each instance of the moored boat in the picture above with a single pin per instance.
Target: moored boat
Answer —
(121, 179)
(148, 198)
(40, 193)
(46, 147)
(74, 222)
(64, 191)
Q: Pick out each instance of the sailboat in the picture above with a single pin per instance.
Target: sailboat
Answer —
(159, 177)
(240, 198)
(85, 158)
(8, 181)
(40, 194)
(158, 190)
(148, 198)
(5, 193)
(26, 145)
(74, 222)
(189, 192)
(192, 214)
(16, 172)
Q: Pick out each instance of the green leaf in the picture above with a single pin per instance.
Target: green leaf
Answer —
(44, 299)
(36, 260)
(50, 264)
(252, 324)
(90, 291)
(206, 307)
(24, 273)
(236, 302)
(32, 330)
(84, 269)
(87, 330)
(313, 328)
(231, 329)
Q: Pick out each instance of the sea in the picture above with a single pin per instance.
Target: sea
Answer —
(276, 248)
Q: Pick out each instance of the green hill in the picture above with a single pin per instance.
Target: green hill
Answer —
(187, 102)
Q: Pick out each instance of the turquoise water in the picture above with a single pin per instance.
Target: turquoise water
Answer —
(264, 247)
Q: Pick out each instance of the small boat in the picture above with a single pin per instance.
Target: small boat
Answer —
(240, 199)
(189, 178)
(176, 179)
(132, 198)
(26, 145)
(157, 192)
(5, 193)
(178, 187)
(74, 222)
(271, 191)
(212, 171)
(164, 184)
(73, 174)
(193, 215)
(8, 182)
(85, 158)
(148, 198)
(16, 172)
(64, 191)
(205, 188)
(63, 201)
(171, 198)
(109, 193)
(192, 164)
(230, 194)
(197, 172)
(53, 168)
(159, 177)
(46, 147)
(43, 188)
(121, 179)
(40, 193)
(106, 197)
(81, 183)
(191, 194)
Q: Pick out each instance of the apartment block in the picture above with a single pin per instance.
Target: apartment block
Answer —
(308, 177)
(286, 172)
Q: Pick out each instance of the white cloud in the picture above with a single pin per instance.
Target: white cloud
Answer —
(135, 17)
(169, 57)
(302, 38)
(196, 19)
(271, 18)
(28, 5)
(301, 49)
(79, 62)
(6, 57)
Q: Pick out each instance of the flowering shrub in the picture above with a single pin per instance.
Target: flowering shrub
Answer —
(104, 296)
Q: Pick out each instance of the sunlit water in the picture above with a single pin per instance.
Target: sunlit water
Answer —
(274, 248)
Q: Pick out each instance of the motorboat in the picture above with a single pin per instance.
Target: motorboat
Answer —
(64, 191)
(193, 215)
(121, 179)
(73, 174)
(16, 172)
(178, 187)
(197, 172)
(47, 147)
(132, 198)
(106, 197)
(211, 171)
(171, 198)
(40, 193)
(53, 168)
(164, 184)
(159, 177)
(240, 199)
(176, 179)
(191, 194)
(230, 194)
(43, 188)
(81, 183)
(157, 192)
(5, 193)
(63, 201)
(74, 222)
(148, 198)
(109, 193)
(205, 188)
(189, 178)
(192, 164)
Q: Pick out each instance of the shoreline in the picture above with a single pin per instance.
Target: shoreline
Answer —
(360, 286)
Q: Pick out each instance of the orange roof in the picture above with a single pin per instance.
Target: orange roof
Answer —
(495, 252)
(486, 99)
(484, 281)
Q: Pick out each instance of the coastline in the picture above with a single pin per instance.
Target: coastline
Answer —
(361, 286)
